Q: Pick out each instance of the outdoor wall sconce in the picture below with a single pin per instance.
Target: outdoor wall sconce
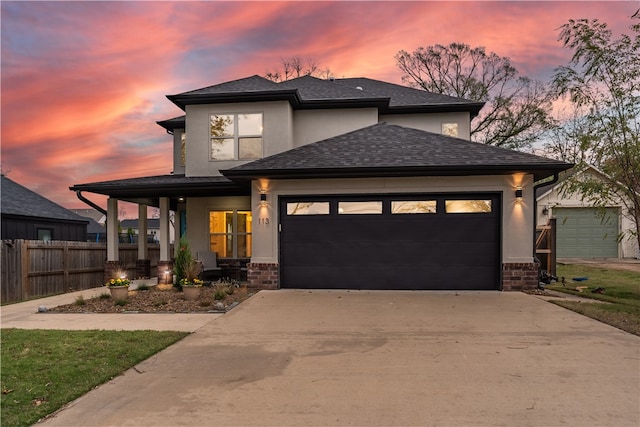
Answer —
(545, 211)
(519, 194)
(263, 198)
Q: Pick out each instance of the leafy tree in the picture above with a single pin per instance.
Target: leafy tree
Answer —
(602, 82)
(517, 108)
(294, 67)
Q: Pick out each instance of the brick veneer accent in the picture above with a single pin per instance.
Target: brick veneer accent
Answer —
(163, 278)
(519, 276)
(263, 275)
(111, 270)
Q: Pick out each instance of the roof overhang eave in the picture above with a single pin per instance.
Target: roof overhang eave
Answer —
(182, 100)
(538, 171)
(473, 108)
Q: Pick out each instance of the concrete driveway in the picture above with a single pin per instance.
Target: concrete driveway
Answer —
(359, 358)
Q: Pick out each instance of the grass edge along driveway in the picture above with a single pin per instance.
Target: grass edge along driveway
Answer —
(621, 295)
(43, 370)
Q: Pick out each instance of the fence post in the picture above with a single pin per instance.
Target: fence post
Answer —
(25, 283)
(65, 265)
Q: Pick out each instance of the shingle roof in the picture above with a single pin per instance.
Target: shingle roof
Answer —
(247, 84)
(390, 150)
(149, 188)
(310, 92)
(20, 201)
(174, 123)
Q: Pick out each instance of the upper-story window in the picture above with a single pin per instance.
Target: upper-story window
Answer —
(236, 136)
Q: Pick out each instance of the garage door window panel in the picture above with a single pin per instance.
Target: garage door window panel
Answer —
(360, 208)
(467, 206)
(414, 207)
(308, 208)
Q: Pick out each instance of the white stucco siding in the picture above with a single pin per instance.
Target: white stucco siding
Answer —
(277, 133)
(431, 122)
(517, 216)
(316, 125)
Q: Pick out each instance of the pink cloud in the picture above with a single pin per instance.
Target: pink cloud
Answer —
(83, 83)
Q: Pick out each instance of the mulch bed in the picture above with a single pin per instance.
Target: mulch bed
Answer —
(158, 299)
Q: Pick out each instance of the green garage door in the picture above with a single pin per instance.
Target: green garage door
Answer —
(582, 233)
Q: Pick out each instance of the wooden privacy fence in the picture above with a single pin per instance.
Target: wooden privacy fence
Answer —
(546, 246)
(32, 268)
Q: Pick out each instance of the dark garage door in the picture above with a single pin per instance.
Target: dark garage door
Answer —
(390, 242)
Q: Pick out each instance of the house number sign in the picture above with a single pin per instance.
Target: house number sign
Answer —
(263, 221)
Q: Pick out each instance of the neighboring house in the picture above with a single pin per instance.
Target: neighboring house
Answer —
(584, 231)
(342, 183)
(29, 216)
(96, 231)
(94, 214)
(153, 228)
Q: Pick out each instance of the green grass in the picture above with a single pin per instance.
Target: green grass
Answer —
(622, 292)
(43, 370)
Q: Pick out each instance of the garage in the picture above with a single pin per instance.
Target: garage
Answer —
(416, 241)
(586, 233)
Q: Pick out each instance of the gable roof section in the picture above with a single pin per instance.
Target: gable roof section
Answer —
(389, 150)
(309, 92)
(20, 201)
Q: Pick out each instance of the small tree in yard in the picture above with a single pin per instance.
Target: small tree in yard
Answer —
(183, 260)
(602, 82)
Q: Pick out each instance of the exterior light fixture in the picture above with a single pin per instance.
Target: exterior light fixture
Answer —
(263, 198)
(519, 194)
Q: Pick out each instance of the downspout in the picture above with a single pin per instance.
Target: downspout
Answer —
(94, 206)
(535, 207)
(90, 203)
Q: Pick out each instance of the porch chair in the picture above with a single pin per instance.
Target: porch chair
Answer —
(210, 267)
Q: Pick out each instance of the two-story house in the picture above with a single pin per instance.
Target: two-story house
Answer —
(343, 183)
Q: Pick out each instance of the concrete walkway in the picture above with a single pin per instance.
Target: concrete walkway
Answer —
(25, 315)
(360, 358)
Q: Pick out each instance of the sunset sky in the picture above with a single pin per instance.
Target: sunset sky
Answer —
(83, 83)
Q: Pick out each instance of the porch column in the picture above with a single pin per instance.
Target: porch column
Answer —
(113, 259)
(165, 265)
(143, 263)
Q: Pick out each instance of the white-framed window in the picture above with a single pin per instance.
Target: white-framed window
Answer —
(236, 136)
(450, 129)
(230, 233)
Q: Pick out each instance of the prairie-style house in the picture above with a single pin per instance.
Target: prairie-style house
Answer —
(341, 183)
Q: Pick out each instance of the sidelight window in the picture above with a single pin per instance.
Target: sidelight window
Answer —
(230, 233)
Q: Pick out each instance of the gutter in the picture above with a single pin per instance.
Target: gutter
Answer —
(90, 203)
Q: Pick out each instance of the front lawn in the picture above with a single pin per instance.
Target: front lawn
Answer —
(621, 289)
(43, 370)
